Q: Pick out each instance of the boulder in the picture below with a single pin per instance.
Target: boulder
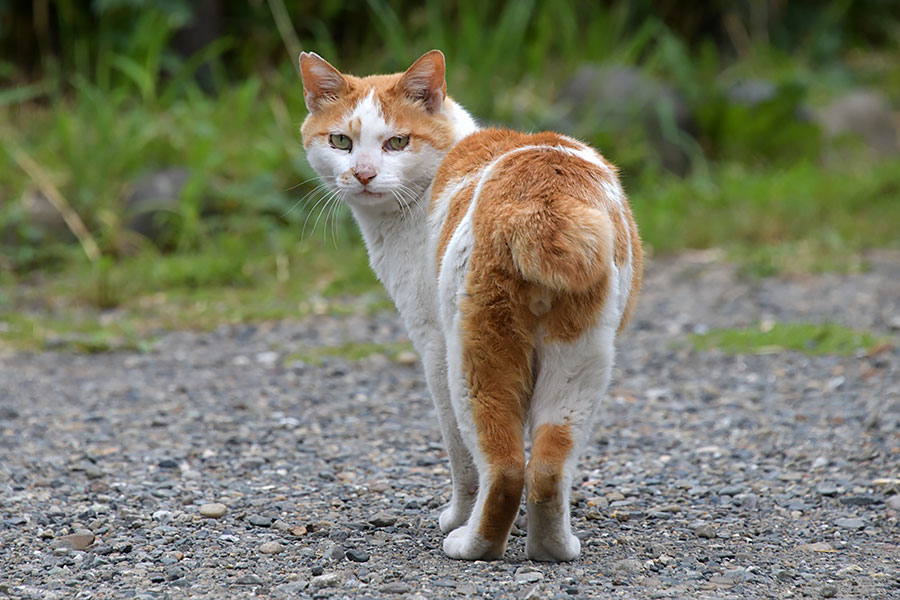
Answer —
(865, 115)
(614, 98)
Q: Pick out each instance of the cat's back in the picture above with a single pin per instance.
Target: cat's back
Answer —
(539, 210)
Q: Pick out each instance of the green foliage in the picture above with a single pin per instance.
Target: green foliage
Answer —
(250, 236)
(809, 338)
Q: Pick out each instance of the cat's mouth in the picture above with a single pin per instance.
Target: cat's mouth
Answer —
(372, 194)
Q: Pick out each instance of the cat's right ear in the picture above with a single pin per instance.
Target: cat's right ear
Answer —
(322, 83)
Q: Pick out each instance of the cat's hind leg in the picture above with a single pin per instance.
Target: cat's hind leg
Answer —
(489, 355)
(571, 382)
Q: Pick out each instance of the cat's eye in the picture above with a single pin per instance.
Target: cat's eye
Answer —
(398, 142)
(340, 141)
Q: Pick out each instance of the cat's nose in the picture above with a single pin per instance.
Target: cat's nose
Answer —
(364, 174)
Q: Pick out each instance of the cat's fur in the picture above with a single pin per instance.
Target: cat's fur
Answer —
(513, 260)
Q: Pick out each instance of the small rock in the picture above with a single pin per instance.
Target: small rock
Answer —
(213, 510)
(626, 565)
(45, 534)
(248, 580)
(894, 502)
(357, 555)
(527, 575)
(829, 591)
(828, 490)
(817, 547)
(168, 463)
(298, 530)
(260, 521)
(398, 587)
(334, 553)
(615, 497)
(705, 531)
(850, 523)
(407, 358)
(731, 490)
(383, 519)
(78, 541)
(599, 502)
(271, 548)
(860, 500)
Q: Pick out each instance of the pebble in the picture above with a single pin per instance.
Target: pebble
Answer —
(705, 531)
(213, 510)
(383, 519)
(271, 548)
(248, 579)
(850, 523)
(357, 555)
(334, 553)
(260, 521)
(828, 490)
(894, 502)
(860, 500)
(397, 587)
(77, 541)
(527, 575)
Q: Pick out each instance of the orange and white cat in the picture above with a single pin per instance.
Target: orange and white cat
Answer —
(513, 260)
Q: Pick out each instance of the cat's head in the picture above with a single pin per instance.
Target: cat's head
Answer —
(378, 140)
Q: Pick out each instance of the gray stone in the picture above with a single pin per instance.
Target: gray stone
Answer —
(397, 587)
(213, 510)
(383, 519)
(527, 575)
(260, 520)
(77, 541)
(621, 98)
(334, 553)
(828, 490)
(271, 548)
(866, 115)
(153, 198)
(850, 523)
(357, 555)
(326, 580)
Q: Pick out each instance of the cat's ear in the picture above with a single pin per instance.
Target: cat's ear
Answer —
(322, 83)
(424, 81)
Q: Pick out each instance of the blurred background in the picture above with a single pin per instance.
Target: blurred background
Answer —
(152, 175)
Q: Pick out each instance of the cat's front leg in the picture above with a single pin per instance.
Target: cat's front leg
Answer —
(463, 473)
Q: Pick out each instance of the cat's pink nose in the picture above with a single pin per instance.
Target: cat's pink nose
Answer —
(364, 174)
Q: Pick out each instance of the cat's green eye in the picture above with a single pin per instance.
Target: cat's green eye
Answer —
(340, 141)
(398, 142)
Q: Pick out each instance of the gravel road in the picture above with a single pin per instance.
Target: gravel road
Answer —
(710, 476)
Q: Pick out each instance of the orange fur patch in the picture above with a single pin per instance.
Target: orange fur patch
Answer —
(551, 446)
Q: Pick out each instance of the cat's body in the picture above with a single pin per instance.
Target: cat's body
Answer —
(513, 261)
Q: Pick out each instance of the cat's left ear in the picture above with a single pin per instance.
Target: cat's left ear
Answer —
(424, 81)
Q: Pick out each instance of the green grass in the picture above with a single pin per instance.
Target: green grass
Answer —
(809, 338)
(352, 351)
(245, 242)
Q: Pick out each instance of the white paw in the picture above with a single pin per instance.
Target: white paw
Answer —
(466, 544)
(451, 518)
(553, 548)
(456, 514)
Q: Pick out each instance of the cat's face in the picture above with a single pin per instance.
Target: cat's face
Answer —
(377, 140)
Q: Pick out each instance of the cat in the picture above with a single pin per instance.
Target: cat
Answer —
(513, 260)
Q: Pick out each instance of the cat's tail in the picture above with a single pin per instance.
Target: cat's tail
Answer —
(564, 244)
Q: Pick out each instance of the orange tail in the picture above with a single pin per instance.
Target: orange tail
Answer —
(564, 245)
